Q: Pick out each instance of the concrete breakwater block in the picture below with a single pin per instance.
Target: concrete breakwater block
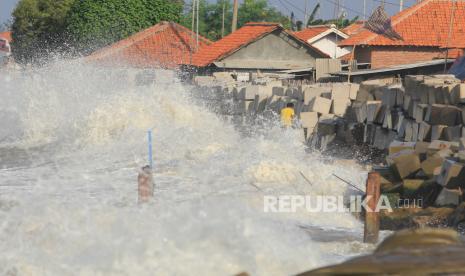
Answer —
(406, 163)
(320, 105)
(448, 115)
(452, 174)
(312, 92)
(309, 119)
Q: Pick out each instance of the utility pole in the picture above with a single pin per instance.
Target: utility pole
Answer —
(193, 15)
(222, 24)
(401, 6)
(235, 15)
(197, 28)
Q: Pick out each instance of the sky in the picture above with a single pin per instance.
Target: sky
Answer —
(351, 7)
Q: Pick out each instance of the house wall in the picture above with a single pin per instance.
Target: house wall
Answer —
(328, 45)
(384, 56)
(276, 50)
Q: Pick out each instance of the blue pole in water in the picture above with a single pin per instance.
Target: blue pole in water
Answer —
(150, 148)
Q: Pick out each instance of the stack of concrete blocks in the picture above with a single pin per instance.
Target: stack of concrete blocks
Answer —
(425, 108)
(433, 172)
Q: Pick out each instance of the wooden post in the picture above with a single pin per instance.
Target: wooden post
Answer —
(235, 15)
(145, 184)
(373, 191)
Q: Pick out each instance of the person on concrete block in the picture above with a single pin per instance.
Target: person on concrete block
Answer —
(287, 115)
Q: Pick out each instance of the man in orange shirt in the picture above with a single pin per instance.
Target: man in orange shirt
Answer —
(287, 115)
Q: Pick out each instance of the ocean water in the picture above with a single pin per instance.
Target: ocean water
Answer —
(72, 140)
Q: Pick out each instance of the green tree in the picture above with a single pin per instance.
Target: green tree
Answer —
(211, 16)
(92, 24)
(38, 28)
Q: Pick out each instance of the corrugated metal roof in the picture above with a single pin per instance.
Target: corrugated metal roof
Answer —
(393, 68)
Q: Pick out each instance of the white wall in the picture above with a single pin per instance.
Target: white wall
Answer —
(328, 45)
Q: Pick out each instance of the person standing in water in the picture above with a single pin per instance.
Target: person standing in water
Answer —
(287, 115)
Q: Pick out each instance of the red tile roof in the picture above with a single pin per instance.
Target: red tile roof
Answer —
(233, 42)
(354, 28)
(6, 35)
(165, 45)
(311, 32)
(424, 24)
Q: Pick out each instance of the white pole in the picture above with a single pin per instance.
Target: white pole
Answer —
(401, 6)
(306, 14)
(364, 9)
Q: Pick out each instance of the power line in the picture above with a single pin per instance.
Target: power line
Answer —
(360, 13)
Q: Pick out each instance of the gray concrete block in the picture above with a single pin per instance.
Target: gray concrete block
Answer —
(424, 132)
(372, 110)
(358, 112)
(458, 93)
(354, 88)
(451, 174)
(320, 105)
(453, 133)
(406, 101)
(447, 198)
(312, 92)
(387, 121)
(309, 119)
(278, 91)
(339, 106)
(388, 97)
(341, 91)
(419, 112)
(437, 132)
(448, 115)
(406, 163)
(326, 126)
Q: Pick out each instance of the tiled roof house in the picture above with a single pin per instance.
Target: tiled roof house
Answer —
(166, 45)
(5, 39)
(325, 39)
(425, 31)
(264, 46)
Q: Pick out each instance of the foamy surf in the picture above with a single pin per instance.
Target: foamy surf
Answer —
(68, 200)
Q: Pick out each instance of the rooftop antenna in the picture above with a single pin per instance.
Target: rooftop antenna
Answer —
(235, 15)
